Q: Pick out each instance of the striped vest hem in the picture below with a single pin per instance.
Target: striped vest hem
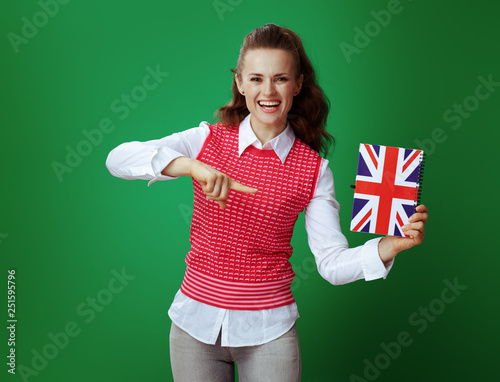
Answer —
(236, 295)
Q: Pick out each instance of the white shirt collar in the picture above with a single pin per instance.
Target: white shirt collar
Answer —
(281, 144)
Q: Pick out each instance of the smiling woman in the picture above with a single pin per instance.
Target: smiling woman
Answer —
(269, 94)
(275, 55)
(253, 173)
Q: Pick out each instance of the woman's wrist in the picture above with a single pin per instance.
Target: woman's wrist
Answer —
(385, 250)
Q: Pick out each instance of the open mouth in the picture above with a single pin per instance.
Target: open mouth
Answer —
(269, 106)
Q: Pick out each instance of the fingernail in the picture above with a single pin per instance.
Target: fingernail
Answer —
(404, 227)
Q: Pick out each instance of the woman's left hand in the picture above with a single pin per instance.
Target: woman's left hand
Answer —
(390, 246)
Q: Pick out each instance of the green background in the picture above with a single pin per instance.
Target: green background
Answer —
(64, 237)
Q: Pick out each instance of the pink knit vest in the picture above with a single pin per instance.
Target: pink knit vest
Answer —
(239, 255)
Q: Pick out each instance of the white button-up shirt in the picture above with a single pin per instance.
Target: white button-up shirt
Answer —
(336, 262)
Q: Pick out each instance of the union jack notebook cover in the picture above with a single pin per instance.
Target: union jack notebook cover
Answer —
(387, 188)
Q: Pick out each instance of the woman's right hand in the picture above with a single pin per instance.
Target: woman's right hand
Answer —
(215, 184)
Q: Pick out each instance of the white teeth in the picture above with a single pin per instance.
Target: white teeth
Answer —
(263, 103)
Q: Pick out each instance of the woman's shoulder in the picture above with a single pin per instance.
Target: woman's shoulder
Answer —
(224, 126)
(223, 129)
(207, 127)
(301, 145)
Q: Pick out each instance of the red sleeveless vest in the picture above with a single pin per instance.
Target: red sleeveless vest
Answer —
(239, 255)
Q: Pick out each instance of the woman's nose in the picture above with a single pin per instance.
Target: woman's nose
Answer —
(269, 88)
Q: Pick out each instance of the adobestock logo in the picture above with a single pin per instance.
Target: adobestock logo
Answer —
(186, 212)
(421, 319)
(303, 271)
(458, 113)
(3, 236)
(122, 106)
(58, 341)
(31, 27)
(363, 37)
(223, 6)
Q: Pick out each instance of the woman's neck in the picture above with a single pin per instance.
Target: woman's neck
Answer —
(266, 132)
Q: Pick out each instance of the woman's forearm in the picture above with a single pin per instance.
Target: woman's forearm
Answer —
(180, 166)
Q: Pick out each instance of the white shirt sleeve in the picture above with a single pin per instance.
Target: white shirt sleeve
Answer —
(336, 262)
(146, 160)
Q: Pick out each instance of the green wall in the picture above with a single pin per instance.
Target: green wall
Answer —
(414, 80)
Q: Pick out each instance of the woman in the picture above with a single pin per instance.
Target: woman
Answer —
(253, 173)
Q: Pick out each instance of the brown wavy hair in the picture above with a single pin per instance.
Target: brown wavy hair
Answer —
(309, 111)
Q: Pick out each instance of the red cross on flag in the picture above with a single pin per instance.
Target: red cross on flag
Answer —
(387, 189)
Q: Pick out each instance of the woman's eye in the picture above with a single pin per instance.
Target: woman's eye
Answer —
(282, 79)
(255, 79)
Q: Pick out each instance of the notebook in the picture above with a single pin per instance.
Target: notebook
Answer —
(387, 189)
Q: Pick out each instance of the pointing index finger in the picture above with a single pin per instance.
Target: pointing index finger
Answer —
(241, 187)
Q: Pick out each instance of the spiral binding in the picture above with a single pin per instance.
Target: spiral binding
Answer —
(418, 190)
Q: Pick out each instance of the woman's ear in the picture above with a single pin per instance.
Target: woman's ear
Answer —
(238, 84)
(299, 84)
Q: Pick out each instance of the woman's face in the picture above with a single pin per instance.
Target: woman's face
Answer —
(269, 85)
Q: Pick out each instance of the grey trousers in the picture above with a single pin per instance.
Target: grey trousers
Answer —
(276, 361)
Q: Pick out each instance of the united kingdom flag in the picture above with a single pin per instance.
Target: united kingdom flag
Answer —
(386, 190)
